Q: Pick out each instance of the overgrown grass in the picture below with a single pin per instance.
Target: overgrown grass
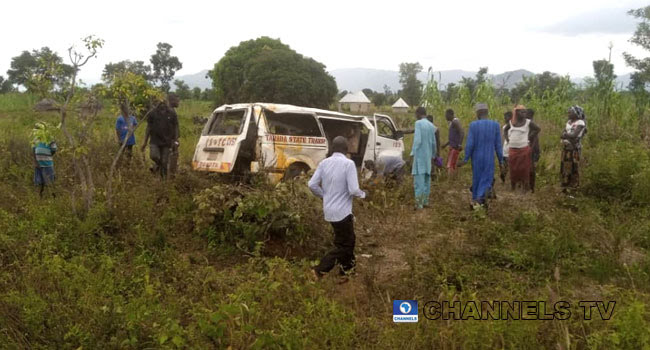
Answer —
(158, 270)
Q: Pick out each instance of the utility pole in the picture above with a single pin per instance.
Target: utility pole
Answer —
(611, 45)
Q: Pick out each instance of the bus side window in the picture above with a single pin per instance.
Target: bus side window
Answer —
(292, 124)
(384, 129)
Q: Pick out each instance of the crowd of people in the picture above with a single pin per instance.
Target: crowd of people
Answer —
(514, 147)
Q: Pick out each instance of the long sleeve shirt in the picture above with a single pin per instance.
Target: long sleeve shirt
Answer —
(483, 141)
(424, 147)
(335, 180)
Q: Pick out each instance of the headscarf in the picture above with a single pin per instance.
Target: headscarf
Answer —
(578, 111)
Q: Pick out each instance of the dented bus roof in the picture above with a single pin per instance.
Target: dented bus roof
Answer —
(285, 108)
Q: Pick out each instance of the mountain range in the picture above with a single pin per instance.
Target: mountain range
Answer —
(355, 79)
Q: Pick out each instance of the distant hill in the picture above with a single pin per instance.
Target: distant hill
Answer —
(510, 79)
(196, 79)
(355, 79)
(622, 81)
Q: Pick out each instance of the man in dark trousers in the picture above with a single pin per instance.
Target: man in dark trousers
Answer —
(335, 180)
(455, 142)
(162, 134)
(536, 151)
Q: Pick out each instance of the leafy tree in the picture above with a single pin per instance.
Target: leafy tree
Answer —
(182, 90)
(136, 67)
(164, 65)
(368, 92)
(639, 80)
(379, 99)
(133, 95)
(209, 95)
(472, 84)
(387, 90)
(604, 72)
(536, 84)
(481, 75)
(638, 87)
(411, 86)
(450, 93)
(641, 38)
(196, 93)
(5, 85)
(604, 86)
(40, 71)
(265, 69)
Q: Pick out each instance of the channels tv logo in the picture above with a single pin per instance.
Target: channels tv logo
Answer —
(405, 310)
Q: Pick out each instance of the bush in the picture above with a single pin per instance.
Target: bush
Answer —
(618, 171)
(249, 217)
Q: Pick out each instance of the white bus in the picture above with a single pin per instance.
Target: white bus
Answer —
(284, 140)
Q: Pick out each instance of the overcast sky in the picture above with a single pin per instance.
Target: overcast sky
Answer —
(558, 35)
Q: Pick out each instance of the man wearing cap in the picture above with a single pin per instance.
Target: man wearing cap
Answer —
(483, 141)
(423, 151)
(335, 180)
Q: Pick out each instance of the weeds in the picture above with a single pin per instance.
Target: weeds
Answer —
(161, 268)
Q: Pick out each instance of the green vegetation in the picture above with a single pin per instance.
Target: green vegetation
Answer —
(266, 70)
(411, 86)
(164, 66)
(199, 261)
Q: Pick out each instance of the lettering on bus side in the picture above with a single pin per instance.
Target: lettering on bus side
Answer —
(221, 141)
(295, 139)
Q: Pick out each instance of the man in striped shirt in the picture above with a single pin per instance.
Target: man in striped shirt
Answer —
(44, 164)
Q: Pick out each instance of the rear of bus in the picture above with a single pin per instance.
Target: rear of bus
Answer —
(223, 138)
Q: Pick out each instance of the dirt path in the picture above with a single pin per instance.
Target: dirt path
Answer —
(385, 243)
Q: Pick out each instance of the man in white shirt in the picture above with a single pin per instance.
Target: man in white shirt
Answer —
(335, 180)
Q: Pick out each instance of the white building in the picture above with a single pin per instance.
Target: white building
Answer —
(355, 102)
(400, 106)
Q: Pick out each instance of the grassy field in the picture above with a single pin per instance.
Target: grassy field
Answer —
(170, 265)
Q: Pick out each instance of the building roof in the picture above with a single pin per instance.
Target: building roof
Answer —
(400, 104)
(357, 97)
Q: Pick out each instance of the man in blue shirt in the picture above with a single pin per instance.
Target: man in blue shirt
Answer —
(423, 152)
(122, 130)
(335, 180)
(483, 142)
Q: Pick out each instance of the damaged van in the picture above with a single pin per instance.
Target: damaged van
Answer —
(284, 141)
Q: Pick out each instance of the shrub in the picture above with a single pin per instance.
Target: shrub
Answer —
(248, 217)
(619, 171)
